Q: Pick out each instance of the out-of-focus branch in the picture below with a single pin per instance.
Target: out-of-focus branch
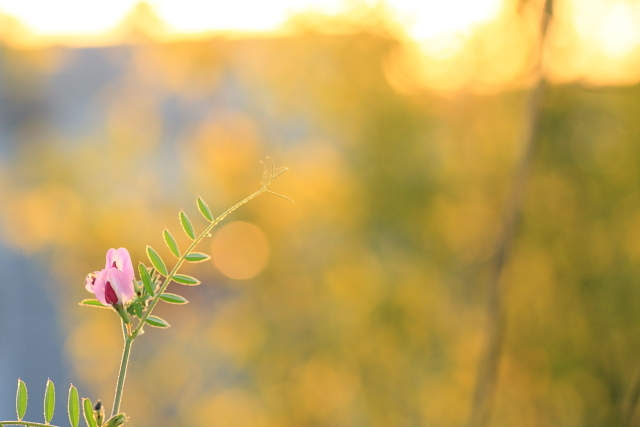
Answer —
(490, 359)
(631, 405)
(630, 416)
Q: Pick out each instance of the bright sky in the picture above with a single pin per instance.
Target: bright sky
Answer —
(422, 18)
(607, 31)
(612, 25)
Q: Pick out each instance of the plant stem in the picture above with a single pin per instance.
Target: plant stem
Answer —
(181, 260)
(130, 336)
(23, 423)
(128, 340)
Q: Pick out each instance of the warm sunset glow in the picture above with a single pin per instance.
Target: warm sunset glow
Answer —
(609, 26)
(243, 15)
(618, 31)
(422, 19)
(428, 19)
(596, 40)
(598, 43)
(43, 17)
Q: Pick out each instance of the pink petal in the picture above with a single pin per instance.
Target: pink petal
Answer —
(120, 259)
(121, 284)
(109, 294)
(90, 280)
(99, 286)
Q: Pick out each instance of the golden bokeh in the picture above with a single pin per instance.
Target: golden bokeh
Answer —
(240, 250)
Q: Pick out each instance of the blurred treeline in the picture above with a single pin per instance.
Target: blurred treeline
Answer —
(371, 309)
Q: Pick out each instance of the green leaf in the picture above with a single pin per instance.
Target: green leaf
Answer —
(173, 298)
(197, 257)
(92, 303)
(183, 279)
(146, 278)
(137, 309)
(157, 322)
(204, 210)
(186, 225)
(88, 413)
(49, 401)
(74, 407)
(156, 261)
(21, 399)
(171, 243)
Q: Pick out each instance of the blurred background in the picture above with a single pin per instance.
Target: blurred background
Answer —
(365, 302)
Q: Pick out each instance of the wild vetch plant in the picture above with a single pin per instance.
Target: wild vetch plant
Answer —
(117, 288)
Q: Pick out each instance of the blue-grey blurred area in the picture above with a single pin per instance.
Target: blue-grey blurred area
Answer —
(364, 302)
(30, 334)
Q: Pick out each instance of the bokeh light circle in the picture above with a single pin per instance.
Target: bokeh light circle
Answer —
(240, 250)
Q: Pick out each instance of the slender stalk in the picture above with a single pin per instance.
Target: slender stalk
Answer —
(490, 359)
(128, 341)
(631, 405)
(23, 423)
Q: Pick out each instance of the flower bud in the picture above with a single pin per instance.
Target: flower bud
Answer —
(98, 413)
(116, 420)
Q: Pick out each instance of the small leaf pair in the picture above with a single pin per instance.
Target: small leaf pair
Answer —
(157, 262)
(186, 223)
(159, 322)
(187, 227)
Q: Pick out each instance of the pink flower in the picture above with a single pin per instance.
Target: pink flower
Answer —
(120, 259)
(112, 287)
(114, 284)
